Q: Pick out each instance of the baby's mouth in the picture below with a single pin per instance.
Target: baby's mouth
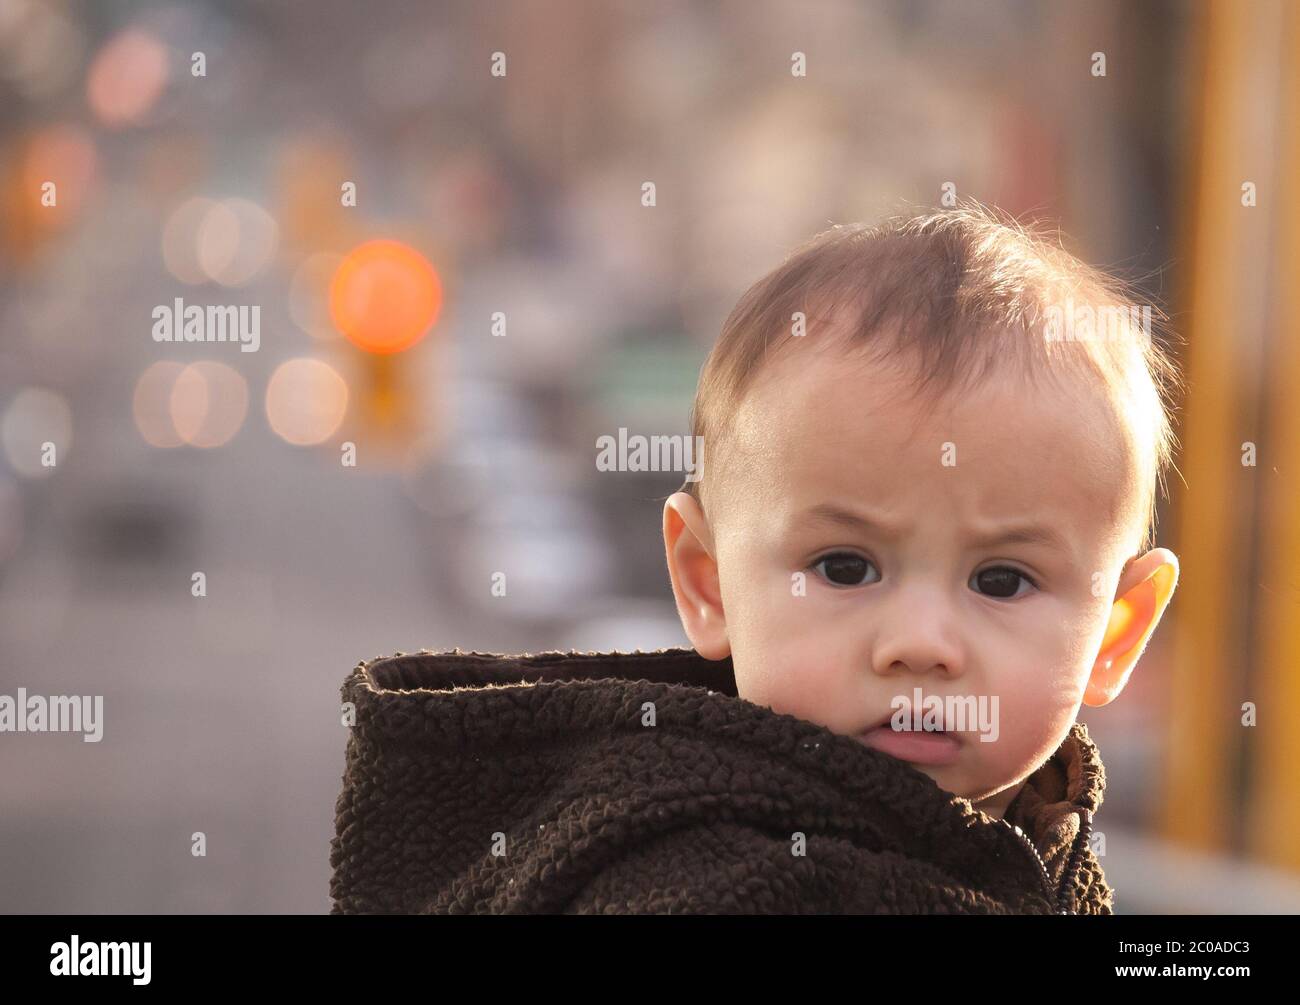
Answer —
(929, 745)
(906, 716)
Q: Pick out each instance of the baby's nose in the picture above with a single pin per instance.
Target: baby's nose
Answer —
(920, 643)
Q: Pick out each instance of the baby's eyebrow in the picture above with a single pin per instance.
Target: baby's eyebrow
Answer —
(831, 513)
(1018, 533)
(1025, 533)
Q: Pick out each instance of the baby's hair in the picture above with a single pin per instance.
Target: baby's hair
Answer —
(959, 293)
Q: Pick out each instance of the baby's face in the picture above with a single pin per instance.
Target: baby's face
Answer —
(858, 558)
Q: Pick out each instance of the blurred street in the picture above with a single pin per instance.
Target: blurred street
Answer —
(461, 287)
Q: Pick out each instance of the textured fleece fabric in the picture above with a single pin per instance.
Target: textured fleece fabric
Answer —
(618, 783)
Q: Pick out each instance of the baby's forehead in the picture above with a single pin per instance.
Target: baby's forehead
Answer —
(803, 391)
(817, 423)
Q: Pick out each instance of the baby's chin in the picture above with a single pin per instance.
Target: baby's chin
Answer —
(992, 799)
(962, 778)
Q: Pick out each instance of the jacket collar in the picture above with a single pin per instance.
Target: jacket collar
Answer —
(1047, 824)
(1055, 807)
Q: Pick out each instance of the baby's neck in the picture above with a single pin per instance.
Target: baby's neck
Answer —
(996, 804)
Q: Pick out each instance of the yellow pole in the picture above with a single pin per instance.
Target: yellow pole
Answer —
(1210, 605)
(1273, 833)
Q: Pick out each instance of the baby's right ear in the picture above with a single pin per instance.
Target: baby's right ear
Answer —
(693, 568)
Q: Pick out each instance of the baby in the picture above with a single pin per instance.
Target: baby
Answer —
(933, 449)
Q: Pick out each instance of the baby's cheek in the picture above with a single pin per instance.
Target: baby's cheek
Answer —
(1033, 718)
(1048, 671)
(788, 678)
(774, 655)
(765, 676)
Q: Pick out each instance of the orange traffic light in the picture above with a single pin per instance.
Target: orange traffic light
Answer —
(385, 296)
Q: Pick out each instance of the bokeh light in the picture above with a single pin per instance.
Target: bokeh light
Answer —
(309, 292)
(235, 241)
(180, 240)
(385, 296)
(127, 77)
(35, 417)
(228, 241)
(66, 156)
(306, 401)
(151, 404)
(208, 402)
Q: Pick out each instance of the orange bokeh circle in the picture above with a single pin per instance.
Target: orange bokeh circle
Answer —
(385, 296)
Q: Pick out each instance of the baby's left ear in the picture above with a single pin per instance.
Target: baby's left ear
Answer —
(1147, 584)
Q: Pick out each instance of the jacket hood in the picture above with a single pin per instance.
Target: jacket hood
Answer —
(640, 782)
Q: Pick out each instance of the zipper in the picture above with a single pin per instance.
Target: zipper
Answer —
(1038, 859)
(1056, 897)
(1076, 853)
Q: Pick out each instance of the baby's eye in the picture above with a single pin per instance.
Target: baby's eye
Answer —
(843, 568)
(1000, 581)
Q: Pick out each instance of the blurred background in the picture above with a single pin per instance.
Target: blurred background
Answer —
(299, 156)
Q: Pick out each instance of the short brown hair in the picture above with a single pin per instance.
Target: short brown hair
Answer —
(960, 291)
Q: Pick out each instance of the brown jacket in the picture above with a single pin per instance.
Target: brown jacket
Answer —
(609, 783)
